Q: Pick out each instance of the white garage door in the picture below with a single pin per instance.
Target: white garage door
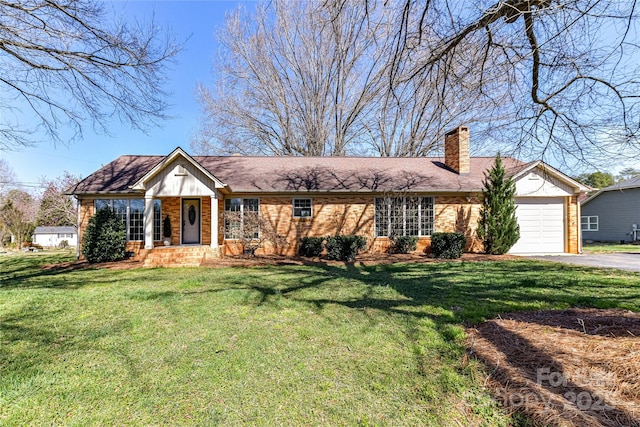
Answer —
(541, 222)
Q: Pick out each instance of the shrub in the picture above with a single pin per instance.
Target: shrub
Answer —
(403, 244)
(448, 245)
(311, 246)
(344, 248)
(104, 238)
(64, 244)
(498, 226)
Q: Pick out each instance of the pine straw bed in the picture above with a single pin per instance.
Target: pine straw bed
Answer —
(578, 367)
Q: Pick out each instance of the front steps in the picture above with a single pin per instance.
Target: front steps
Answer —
(178, 256)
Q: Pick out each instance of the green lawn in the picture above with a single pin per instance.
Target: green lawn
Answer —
(288, 345)
(604, 247)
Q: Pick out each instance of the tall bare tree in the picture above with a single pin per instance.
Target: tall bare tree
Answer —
(66, 62)
(57, 208)
(549, 78)
(569, 68)
(294, 78)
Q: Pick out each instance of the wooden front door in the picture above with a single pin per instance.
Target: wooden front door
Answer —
(190, 221)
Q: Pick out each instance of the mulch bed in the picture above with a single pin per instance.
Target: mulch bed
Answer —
(578, 367)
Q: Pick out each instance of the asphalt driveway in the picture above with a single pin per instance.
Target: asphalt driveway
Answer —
(622, 260)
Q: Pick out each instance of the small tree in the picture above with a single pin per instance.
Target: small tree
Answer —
(105, 237)
(498, 226)
(252, 231)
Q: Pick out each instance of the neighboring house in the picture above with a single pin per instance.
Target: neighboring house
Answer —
(52, 237)
(613, 213)
(320, 196)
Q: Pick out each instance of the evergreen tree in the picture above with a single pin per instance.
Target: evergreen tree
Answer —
(498, 226)
(104, 239)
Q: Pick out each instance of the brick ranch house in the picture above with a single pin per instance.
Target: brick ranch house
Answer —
(320, 196)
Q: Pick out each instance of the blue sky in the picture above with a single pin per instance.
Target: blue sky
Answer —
(193, 21)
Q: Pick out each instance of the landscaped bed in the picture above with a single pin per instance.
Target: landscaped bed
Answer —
(575, 367)
(311, 344)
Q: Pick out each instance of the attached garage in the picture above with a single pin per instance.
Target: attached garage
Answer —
(547, 210)
(542, 228)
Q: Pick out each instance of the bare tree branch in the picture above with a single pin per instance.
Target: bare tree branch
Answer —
(64, 62)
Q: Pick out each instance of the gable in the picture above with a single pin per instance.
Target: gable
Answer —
(180, 176)
(538, 183)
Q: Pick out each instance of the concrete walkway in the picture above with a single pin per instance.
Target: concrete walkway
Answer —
(622, 260)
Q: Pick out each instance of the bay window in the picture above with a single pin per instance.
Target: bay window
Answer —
(131, 213)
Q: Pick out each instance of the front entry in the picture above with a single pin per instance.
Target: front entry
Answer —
(190, 221)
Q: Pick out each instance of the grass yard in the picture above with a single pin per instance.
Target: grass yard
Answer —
(286, 345)
(608, 248)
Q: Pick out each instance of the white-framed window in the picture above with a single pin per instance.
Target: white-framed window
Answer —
(302, 208)
(157, 219)
(589, 223)
(403, 216)
(238, 214)
(131, 212)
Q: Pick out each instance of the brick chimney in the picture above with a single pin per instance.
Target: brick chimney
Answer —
(456, 150)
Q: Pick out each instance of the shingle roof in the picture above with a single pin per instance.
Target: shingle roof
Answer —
(55, 230)
(316, 174)
(629, 183)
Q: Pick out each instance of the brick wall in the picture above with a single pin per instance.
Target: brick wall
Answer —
(355, 215)
(171, 207)
(459, 213)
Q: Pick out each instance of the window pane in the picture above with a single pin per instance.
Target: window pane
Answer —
(120, 208)
(302, 208)
(236, 210)
(426, 216)
(136, 219)
(232, 205)
(412, 220)
(381, 217)
(250, 225)
(101, 203)
(251, 218)
(250, 205)
(157, 220)
(396, 216)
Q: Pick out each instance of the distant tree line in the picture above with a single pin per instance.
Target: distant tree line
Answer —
(22, 211)
(601, 180)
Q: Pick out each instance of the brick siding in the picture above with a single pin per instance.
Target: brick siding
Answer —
(335, 214)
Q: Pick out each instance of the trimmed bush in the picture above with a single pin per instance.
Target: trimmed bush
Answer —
(403, 244)
(344, 248)
(448, 245)
(311, 246)
(104, 239)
